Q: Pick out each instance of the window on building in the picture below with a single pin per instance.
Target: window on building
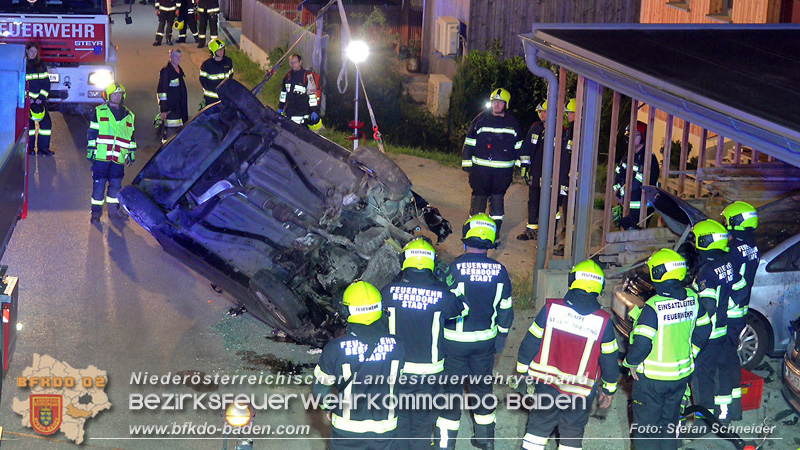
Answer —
(721, 10)
(680, 4)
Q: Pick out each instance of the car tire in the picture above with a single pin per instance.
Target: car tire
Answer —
(277, 305)
(231, 92)
(376, 164)
(142, 208)
(753, 342)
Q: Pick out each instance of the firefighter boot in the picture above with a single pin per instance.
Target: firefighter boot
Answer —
(445, 434)
(96, 213)
(157, 42)
(201, 43)
(484, 436)
(530, 234)
(169, 40)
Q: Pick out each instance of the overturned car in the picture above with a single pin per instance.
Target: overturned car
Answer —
(278, 216)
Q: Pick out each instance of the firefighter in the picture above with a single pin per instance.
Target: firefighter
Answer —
(186, 19)
(172, 97)
(531, 156)
(38, 91)
(567, 348)
(668, 332)
(111, 146)
(472, 341)
(741, 220)
(491, 150)
(631, 221)
(299, 95)
(418, 305)
(216, 69)
(207, 11)
(714, 283)
(366, 352)
(166, 10)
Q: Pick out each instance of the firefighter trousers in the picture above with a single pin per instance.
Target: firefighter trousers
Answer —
(713, 377)
(471, 362)
(190, 23)
(656, 413)
(489, 184)
(534, 198)
(415, 421)
(165, 20)
(735, 327)
(207, 21)
(106, 173)
(569, 422)
(347, 440)
(42, 141)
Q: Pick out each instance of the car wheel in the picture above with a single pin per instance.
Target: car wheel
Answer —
(231, 92)
(753, 342)
(374, 163)
(277, 305)
(142, 208)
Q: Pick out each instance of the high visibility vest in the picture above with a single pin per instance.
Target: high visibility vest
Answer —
(671, 357)
(570, 349)
(114, 139)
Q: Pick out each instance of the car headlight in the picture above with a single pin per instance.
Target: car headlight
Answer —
(101, 78)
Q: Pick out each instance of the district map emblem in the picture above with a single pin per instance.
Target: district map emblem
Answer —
(46, 413)
(58, 398)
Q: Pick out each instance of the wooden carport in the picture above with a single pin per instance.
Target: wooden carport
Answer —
(738, 81)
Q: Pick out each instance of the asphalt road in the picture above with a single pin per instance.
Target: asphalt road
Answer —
(109, 297)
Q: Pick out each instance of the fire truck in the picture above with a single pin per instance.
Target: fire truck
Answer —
(75, 41)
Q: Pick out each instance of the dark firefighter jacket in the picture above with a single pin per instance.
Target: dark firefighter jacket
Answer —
(419, 304)
(638, 177)
(212, 73)
(714, 284)
(485, 286)
(492, 141)
(345, 365)
(295, 99)
(172, 95)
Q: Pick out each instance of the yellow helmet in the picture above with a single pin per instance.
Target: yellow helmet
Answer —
(113, 88)
(479, 231)
(178, 25)
(740, 215)
(418, 254)
(542, 106)
(666, 264)
(710, 235)
(588, 276)
(571, 105)
(215, 45)
(501, 94)
(362, 303)
(314, 126)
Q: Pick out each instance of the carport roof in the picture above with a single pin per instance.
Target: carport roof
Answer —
(742, 81)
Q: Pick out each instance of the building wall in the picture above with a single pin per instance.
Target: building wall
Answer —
(709, 11)
(505, 20)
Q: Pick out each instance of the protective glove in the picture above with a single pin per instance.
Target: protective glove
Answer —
(617, 212)
(525, 172)
(314, 117)
(129, 159)
(280, 111)
(202, 104)
(90, 154)
(500, 343)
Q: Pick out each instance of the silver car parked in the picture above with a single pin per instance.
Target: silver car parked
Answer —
(775, 298)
